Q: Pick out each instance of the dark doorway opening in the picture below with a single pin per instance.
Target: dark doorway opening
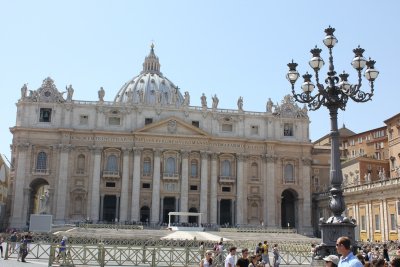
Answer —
(109, 208)
(288, 209)
(145, 214)
(225, 215)
(193, 219)
(169, 206)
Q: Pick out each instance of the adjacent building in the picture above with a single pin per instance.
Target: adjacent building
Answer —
(4, 182)
(149, 152)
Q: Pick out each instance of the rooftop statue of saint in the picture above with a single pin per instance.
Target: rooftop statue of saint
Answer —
(101, 94)
(203, 99)
(70, 92)
(215, 102)
(240, 103)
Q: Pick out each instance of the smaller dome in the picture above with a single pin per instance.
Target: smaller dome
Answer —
(150, 87)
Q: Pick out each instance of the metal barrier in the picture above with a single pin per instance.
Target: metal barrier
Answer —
(176, 254)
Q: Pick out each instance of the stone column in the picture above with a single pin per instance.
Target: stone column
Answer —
(384, 220)
(214, 189)
(117, 217)
(62, 183)
(240, 188)
(184, 185)
(204, 187)
(124, 186)
(269, 193)
(19, 208)
(155, 197)
(94, 202)
(135, 209)
(305, 212)
(371, 229)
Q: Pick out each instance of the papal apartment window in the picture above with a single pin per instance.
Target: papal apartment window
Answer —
(227, 127)
(288, 129)
(289, 173)
(81, 164)
(254, 130)
(45, 115)
(226, 168)
(41, 162)
(377, 223)
(114, 121)
(193, 168)
(148, 121)
(196, 124)
(112, 163)
(84, 120)
(146, 185)
(146, 166)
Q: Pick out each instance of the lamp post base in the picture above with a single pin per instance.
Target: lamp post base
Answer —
(330, 233)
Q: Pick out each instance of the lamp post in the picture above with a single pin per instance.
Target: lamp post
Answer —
(333, 93)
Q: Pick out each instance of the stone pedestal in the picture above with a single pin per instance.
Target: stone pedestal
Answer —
(330, 233)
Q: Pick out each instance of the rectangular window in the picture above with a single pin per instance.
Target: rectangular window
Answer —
(45, 115)
(393, 222)
(193, 188)
(377, 223)
(363, 227)
(254, 130)
(227, 127)
(196, 124)
(84, 120)
(114, 121)
(148, 121)
(226, 189)
(146, 185)
(110, 184)
(288, 129)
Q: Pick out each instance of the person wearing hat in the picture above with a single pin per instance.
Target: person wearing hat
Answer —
(207, 260)
(331, 261)
(62, 249)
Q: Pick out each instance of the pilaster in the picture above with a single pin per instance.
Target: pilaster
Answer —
(135, 209)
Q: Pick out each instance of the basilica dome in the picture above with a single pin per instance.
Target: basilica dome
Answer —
(150, 87)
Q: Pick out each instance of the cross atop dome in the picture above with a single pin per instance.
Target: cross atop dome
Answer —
(151, 63)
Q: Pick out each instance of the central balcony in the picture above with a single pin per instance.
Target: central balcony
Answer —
(170, 176)
(111, 175)
(226, 179)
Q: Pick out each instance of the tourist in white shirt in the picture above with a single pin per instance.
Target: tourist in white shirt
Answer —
(230, 259)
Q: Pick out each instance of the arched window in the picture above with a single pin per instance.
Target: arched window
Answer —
(170, 166)
(254, 170)
(147, 166)
(112, 164)
(193, 168)
(81, 163)
(226, 168)
(289, 173)
(41, 162)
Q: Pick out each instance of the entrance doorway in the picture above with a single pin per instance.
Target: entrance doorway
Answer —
(109, 208)
(225, 214)
(145, 214)
(193, 219)
(169, 205)
(288, 209)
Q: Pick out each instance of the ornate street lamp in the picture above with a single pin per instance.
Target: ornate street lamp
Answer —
(333, 93)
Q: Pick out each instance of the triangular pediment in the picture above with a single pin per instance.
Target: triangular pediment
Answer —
(172, 126)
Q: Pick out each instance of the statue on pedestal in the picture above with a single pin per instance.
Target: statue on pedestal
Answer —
(101, 94)
(45, 203)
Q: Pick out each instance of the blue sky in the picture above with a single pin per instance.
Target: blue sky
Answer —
(229, 48)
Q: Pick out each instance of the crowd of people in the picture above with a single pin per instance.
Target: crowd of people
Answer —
(259, 258)
(367, 257)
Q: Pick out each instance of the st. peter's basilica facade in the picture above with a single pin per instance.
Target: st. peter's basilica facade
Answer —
(150, 152)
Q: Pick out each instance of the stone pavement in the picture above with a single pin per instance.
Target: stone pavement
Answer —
(15, 263)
